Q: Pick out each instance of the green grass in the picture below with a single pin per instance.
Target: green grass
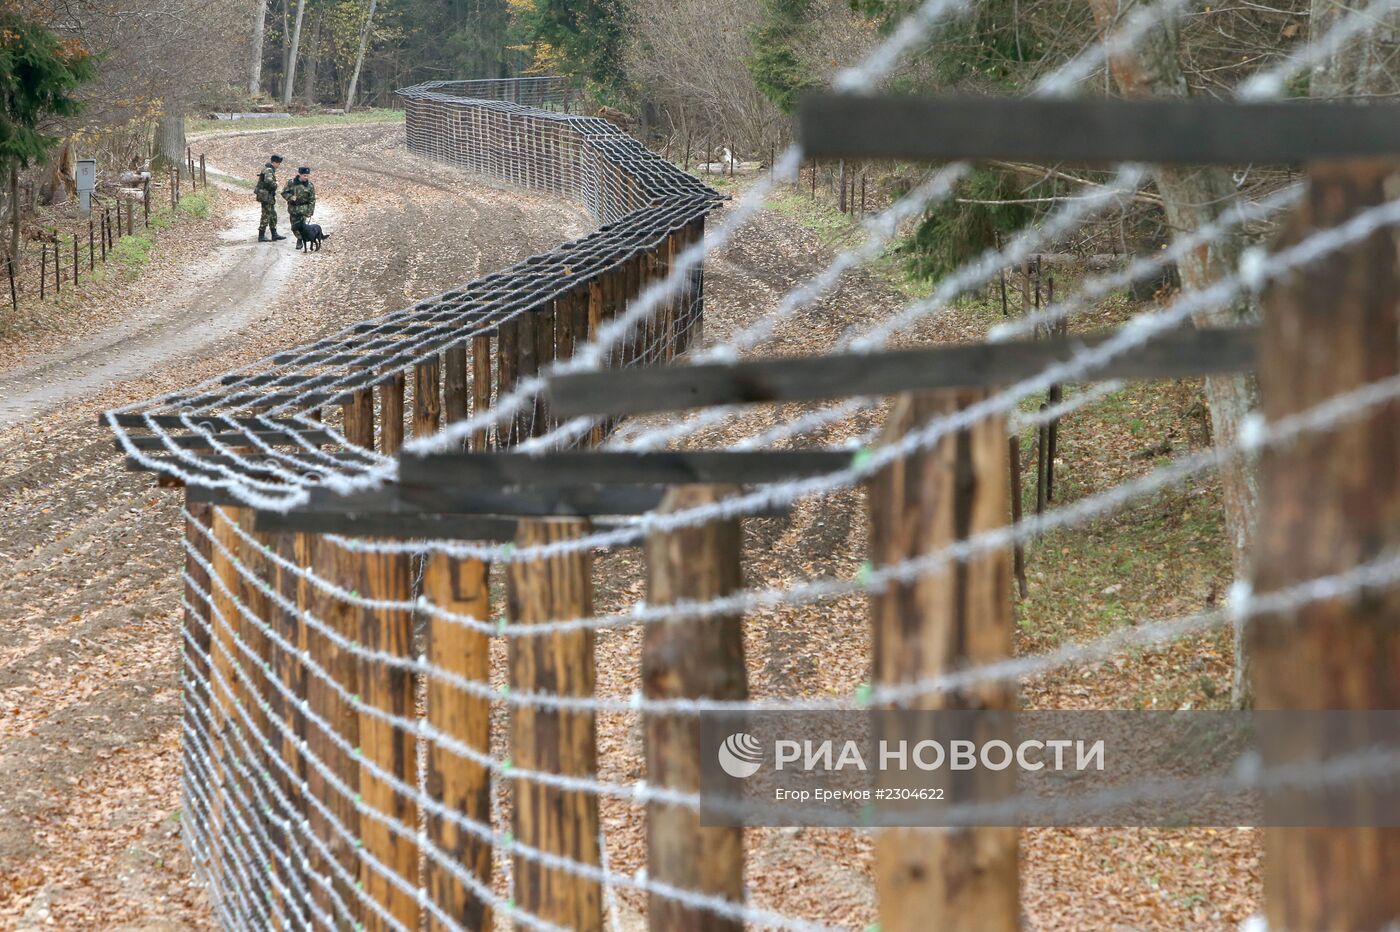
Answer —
(373, 115)
(131, 253)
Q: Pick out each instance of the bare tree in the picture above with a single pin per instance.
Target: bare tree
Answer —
(1193, 197)
(1363, 68)
(256, 59)
(289, 81)
(360, 56)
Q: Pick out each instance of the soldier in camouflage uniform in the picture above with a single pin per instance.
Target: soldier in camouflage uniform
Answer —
(266, 192)
(300, 195)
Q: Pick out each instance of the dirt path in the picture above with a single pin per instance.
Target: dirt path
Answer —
(89, 554)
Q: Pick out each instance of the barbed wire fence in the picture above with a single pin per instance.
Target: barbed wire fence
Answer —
(350, 668)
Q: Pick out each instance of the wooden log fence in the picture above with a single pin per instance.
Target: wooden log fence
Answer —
(374, 670)
(104, 230)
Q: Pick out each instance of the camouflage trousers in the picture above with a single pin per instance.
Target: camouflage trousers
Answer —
(269, 217)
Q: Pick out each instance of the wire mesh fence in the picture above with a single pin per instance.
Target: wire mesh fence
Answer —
(432, 689)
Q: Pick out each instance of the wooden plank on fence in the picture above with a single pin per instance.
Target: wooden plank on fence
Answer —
(461, 784)
(558, 502)
(1330, 500)
(196, 442)
(666, 467)
(953, 616)
(1101, 129)
(691, 658)
(562, 822)
(1176, 354)
(388, 752)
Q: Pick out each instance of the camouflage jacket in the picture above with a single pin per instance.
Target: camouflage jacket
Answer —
(300, 197)
(266, 188)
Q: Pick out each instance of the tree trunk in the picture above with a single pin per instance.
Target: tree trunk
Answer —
(256, 60)
(360, 57)
(170, 140)
(1193, 197)
(289, 76)
(1358, 69)
(313, 63)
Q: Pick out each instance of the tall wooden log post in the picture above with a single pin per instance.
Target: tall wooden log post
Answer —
(388, 752)
(338, 676)
(691, 658)
(229, 688)
(481, 387)
(953, 616)
(559, 821)
(463, 785)
(359, 418)
(427, 398)
(263, 738)
(1331, 501)
(456, 396)
(391, 392)
(289, 723)
(199, 685)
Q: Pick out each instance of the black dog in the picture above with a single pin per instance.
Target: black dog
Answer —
(310, 236)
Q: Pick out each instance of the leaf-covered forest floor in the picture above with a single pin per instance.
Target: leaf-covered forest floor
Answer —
(89, 596)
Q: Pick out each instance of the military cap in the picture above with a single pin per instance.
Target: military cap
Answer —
(303, 170)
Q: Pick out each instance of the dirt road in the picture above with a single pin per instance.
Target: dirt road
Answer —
(89, 601)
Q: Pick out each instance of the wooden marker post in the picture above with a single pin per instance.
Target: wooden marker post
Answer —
(463, 785)
(387, 750)
(43, 267)
(75, 260)
(92, 248)
(691, 658)
(427, 398)
(559, 821)
(1331, 501)
(954, 616)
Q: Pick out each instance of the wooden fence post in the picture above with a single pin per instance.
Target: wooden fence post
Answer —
(427, 398)
(455, 393)
(559, 821)
(288, 670)
(359, 418)
(391, 392)
(955, 615)
(691, 658)
(1331, 501)
(481, 386)
(507, 369)
(383, 745)
(199, 624)
(463, 785)
(326, 702)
